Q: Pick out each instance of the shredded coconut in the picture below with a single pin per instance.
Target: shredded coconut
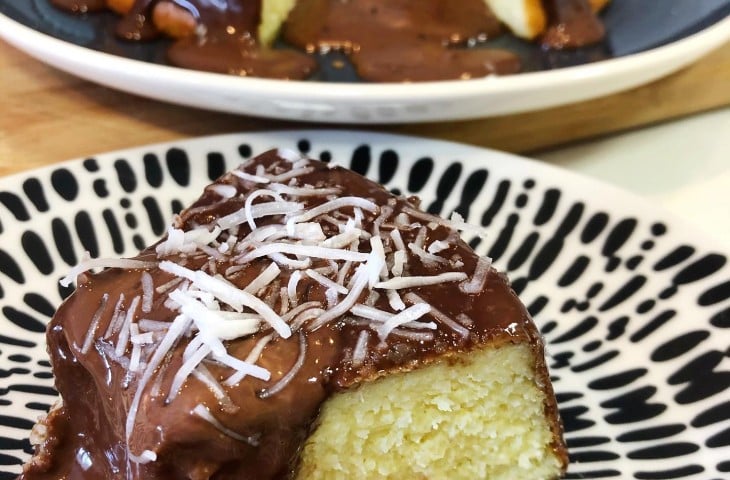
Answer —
(421, 281)
(92, 263)
(476, 283)
(284, 381)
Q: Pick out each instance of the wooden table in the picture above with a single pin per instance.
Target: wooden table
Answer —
(47, 116)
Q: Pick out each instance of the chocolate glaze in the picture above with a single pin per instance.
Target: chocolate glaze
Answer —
(80, 6)
(402, 40)
(86, 437)
(226, 44)
(571, 24)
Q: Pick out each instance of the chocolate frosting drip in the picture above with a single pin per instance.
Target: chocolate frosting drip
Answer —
(403, 40)
(86, 437)
(386, 41)
(571, 24)
(224, 40)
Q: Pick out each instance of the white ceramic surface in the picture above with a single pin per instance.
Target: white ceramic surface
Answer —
(681, 166)
(633, 304)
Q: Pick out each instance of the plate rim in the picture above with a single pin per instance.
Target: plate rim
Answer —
(383, 141)
(654, 62)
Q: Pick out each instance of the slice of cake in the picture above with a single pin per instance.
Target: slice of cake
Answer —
(298, 321)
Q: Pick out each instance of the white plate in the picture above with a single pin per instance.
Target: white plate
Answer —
(635, 307)
(637, 30)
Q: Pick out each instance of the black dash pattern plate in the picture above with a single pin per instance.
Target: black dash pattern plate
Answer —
(634, 306)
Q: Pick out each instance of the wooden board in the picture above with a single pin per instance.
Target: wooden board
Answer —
(47, 116)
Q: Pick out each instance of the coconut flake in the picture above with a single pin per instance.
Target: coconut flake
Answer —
(305, 250)
(291, 174)
(223, 190)
(376, 261)
(289, 155)
(410, 314)
(252, 357)
(146, 456)
(203, 412)
(248, 203)
(326, 282)
(381, 316)
(244, 367)
(249, 177)
(177, 328)
(134, 359)
(291, 287)
(385, 213)
(185, 370)
(284, 296)
(476, 283)
(226, 292)
(342, 274)
(202, 374)
(397, 239)
(271, 208)
(308, 231)
(284, 381)
(147, 325)
(301, 163)
(263, 279)
(464, 319)
(214, 255)
(290, 263)
(438, 246)
(439, 315)
(94, 324)
(303, 191)
(399, 260)
(421, 281)
(426, 257)
(456, 223)
(257, 211)
(360, 281)
(91, 263)
(343, 239)
(411, 335)
(115, 323)
(360, 351)
(420, 237)
(179, 241)
(335, 204)
(147, 292)
(288, 316)
(396, 303)
(402, 219)
(305, 316)
(212, 325)
(124, 333)
(169, 285)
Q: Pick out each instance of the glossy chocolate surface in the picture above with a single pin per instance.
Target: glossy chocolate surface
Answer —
(403, 40)
(385, 41)
(571, 24)
(86, 437)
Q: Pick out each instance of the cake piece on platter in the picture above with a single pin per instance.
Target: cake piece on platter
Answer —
(298, 321)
